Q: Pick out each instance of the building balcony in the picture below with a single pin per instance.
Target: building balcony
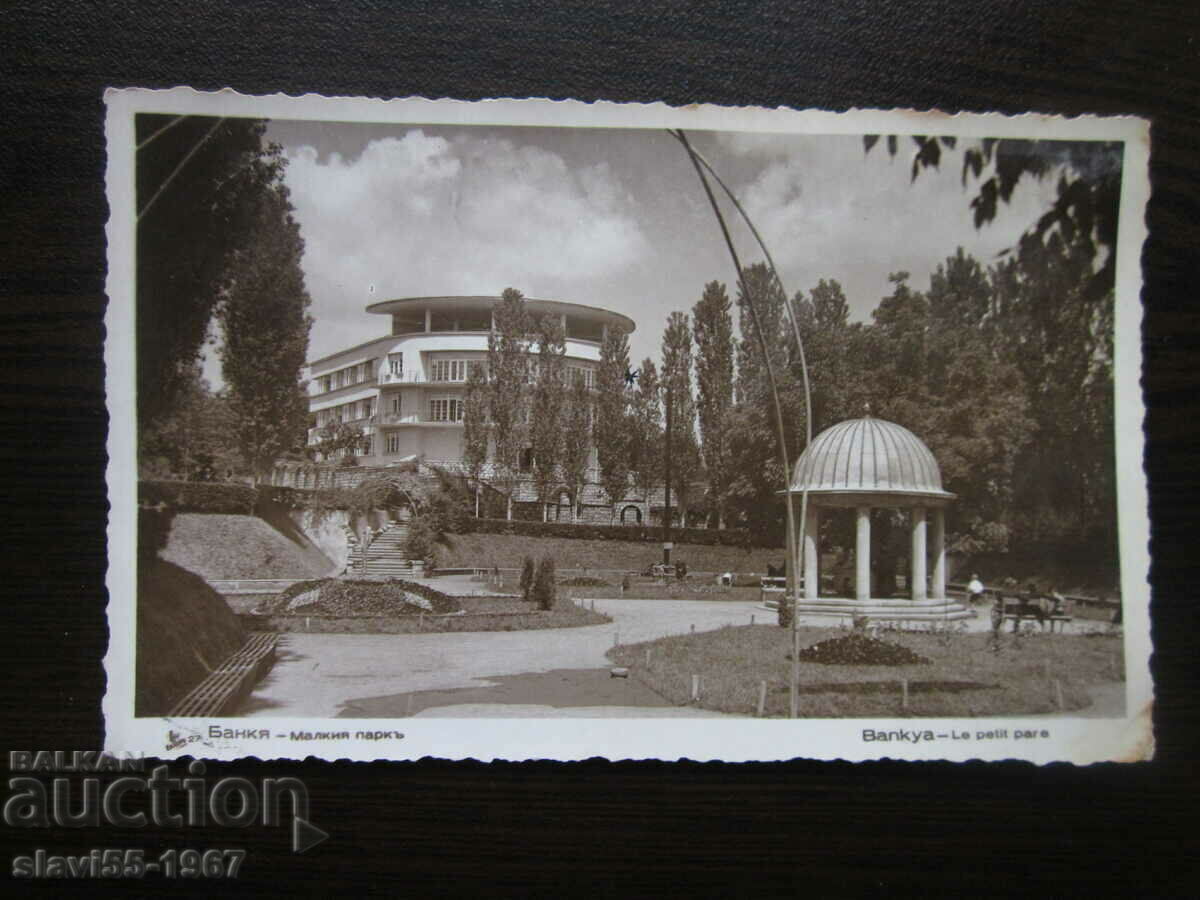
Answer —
(417, 378)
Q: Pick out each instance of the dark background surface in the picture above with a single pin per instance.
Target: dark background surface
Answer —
(626, 829)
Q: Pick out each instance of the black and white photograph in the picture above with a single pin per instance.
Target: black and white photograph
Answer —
(821, 431)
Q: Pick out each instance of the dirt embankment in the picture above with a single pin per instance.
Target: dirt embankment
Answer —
(232, 546)
(184, 630)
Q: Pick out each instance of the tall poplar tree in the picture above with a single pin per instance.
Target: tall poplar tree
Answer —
(712, 327)
(199, 181)
(612, 419)
(677, 391)
(475, 427)
(549, 396)
(577, 440)
(646, 430)
(265, 325)
(508, 366)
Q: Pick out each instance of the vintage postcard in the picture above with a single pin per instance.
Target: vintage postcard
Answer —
(523, 429)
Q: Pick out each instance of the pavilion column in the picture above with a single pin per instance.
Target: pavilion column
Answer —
(917, 569)
(862, 554)
(939, 554)
(812, 575)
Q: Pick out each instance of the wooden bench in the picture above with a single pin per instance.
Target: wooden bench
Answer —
(222, 692)
(1059, 620)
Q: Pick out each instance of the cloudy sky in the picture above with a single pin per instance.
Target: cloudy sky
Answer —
(612, 218)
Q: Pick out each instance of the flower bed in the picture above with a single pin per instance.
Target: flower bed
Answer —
(856, 649)
(343, 597)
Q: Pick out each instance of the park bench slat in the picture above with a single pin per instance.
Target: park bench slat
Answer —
(227, 684)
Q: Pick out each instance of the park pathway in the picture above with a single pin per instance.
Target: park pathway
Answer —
(322, 675)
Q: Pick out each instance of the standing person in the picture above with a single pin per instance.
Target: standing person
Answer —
(974, 590)
(997, 618)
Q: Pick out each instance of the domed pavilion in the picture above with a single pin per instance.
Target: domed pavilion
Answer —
(865, 464)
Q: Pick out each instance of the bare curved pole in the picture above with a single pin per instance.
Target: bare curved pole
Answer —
(793, 561)
(183, 162)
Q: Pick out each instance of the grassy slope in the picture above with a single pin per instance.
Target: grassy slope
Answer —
(509, 550)
(226, 546)
(733, 661)
(184, 629)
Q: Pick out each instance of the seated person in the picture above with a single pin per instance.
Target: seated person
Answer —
(1058, 603)
(974, 590)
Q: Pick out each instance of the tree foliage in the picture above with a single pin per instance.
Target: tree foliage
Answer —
(646, 429)
(508, 367)
(612, 415)
(193, 440)
(200, 188)
(712, 327)
(677, 388)
(754, 441)
(1085, 211)
(338, 439)
(475, 424)
(577, 439)
(265, 325)
(549, 398)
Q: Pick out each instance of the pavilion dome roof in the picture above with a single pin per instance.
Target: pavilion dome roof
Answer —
(869, 456)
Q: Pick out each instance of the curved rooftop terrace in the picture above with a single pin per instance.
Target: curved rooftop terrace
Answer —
(415, 315)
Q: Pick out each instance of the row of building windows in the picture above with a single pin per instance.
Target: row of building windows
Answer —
(442, 370)
(455, 369)
(346, 412)
(445, 410)
(351, 375)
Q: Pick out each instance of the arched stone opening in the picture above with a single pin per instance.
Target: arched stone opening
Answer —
(631, 515)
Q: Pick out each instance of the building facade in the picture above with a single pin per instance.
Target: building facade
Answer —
(405, 390)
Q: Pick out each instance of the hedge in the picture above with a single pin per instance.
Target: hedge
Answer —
(719, 537)
(198, 496)
(219, 496)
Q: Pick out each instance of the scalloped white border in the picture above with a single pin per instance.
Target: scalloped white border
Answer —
(1074, 740)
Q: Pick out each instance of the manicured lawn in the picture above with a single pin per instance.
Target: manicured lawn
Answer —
(965, 677)
(510, 550)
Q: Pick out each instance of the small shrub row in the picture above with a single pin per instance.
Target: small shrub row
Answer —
(717, 537)
(198, 496)
(539, 585)
(583, 581)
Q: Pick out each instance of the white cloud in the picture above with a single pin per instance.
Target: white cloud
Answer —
(425, 215)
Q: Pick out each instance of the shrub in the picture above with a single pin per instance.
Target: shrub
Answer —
(198, 496)
(287, 497)
(421, 538)
(527, 577)
(545, 588)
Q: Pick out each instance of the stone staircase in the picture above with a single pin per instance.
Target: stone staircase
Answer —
(882, 608)
(386, 555)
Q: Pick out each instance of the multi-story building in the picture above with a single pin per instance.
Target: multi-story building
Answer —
(405, 390)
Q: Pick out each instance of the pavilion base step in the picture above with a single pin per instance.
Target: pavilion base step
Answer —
(901, 610)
